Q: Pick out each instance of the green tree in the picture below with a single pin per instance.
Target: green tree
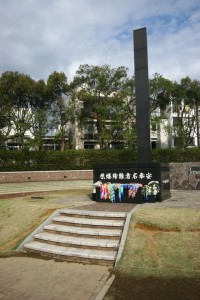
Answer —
(102, 93)
(160, 92)
(160, 102)
(128, 114)
(5, 111)
(184, 124)
(17, 90)
(5, 119)
(61, 106)
(40, 107)
(192, 88)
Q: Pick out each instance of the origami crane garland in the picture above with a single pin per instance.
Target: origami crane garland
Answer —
(107, 190)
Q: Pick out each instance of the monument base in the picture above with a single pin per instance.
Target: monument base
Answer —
(131, 182)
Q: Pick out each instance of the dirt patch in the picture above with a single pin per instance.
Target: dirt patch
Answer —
(146, 227)
(124, 288)
(8, 196)
(194, 230)
(48, 213)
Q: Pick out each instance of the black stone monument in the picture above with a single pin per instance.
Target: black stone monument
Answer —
(142, 95)
(144, 180)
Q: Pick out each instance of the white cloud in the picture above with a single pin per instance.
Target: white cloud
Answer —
(38, 37)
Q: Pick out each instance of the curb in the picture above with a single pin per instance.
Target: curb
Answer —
(105, 288)
(38, 230)
(124, 234)
(109, 282)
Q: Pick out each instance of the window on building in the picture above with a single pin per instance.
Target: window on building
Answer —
(190, 144)
(50, 144)
(89, 145)
(12, 146)
(51, 147)
(153, 126)
(117, 145)
(153, 144)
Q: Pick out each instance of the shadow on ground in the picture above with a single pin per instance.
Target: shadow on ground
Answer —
(154, 289)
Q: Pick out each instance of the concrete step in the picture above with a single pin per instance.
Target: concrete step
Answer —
(74, 254)
(72, 241)
(93, 214)
(80, 236)
(103, 223)
(84, 231)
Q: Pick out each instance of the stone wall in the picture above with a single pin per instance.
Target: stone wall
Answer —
(183, 176)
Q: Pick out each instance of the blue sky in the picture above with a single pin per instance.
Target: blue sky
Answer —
(41, 36)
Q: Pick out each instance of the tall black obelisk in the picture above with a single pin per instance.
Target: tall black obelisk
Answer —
(142, 95)
(144, 170)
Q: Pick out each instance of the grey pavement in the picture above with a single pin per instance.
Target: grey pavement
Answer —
(26, 187)
(179, 198)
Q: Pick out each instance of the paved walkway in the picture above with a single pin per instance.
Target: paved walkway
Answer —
(179, 198)
(31, 187)
(39, 279)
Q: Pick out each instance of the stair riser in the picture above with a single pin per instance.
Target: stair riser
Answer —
(77, 245)
(87, 226)
(76, 259)
(84, 235)
(92, 217)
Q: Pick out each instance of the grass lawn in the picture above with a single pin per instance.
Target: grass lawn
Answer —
(161, 259)
(162, 250)
(21, 215)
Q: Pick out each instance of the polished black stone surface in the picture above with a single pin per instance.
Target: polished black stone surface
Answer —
(142, 95)
(134, 173)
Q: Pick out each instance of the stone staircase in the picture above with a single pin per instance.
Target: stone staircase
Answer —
(80, 236)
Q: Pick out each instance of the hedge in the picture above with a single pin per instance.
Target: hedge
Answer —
(60, 160)
(176, 155)
(84, 159)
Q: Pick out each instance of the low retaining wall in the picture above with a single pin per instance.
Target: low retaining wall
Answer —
(183, 176)
(37, 176)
